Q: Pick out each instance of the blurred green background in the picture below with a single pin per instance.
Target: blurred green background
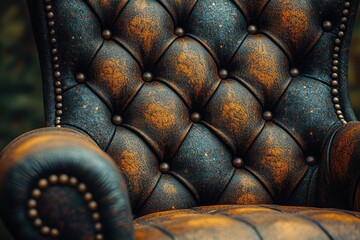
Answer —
(21, 106)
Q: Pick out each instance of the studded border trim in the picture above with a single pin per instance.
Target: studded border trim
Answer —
(61, 179)
(55, 61)
(335, 63)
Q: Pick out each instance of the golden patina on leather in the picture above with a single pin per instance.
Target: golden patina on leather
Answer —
(196, 102)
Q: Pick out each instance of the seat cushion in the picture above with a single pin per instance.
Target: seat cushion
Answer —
(249, 222)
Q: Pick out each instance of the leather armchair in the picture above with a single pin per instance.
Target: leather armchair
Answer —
(185, 119)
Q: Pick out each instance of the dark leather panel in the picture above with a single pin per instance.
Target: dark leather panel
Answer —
(263, 68)
(306, 102)
(204, 162)
(146, 29)
(277, 160)
(83, 109)
(252, 222)
(340, 175)
(155, 113)
(116, 80)
(78, 38)
(294, 25)
(168, 194)
(236, 120)
(245, 188)
(219, 26)
(137, 162)
(192, 75)
(167, 82)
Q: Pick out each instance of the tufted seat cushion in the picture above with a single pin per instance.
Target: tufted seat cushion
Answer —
(249, 222)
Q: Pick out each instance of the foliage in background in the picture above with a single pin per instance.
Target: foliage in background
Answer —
(21, 106)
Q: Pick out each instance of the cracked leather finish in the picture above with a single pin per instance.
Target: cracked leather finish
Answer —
(249, 222)
(194, 85)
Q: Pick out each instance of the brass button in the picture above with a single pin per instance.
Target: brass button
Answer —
(195, 117)
(179, 32)
(252, 29)
(238, 162)
(294, 72)
(223, 74)
(80, 77)
(267, 116)
(164, 167)
(327, 25)
(310, 160)
(106, 34)
(117, 120)
(147, 76)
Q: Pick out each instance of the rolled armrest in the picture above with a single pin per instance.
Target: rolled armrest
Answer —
(339, 176)
(56, 183)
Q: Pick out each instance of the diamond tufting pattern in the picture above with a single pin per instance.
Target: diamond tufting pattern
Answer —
(199, 85)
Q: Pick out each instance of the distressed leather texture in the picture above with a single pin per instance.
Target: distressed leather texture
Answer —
(208, 103)
(249, 222)
(157, 125)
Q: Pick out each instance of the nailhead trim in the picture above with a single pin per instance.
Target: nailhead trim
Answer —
(54, 60)
(335, 64)
(61, 179)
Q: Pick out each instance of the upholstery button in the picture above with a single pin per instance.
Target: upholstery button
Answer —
(238, 162)
(267, 115)
(117, 120)
(164, 167)
(310, 160)
(223, 74)
(294, 72)
(147, 76)
(179, 32)
(252, 29)
(80, 77)
(106, 34)
(195, 117)
(327, 25)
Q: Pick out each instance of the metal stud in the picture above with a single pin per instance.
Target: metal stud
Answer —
(32, 203)
(238, 162)
(54, 233)
(82, 187)
(223, 74)
(252, 29)
(310, 160)
(99, 237)
(33, 213)
(43, 183)
(73, 181)
(117, 120)
(37, 222)
(45, 230)
(53, 179)
(164, 167)
(93, 205)
(88, 197)
(64, 179)
(147, 76)
(95, 216)
(80, 77)
(294, 72)
(106, 34)
(180, 32)
(267, 116)
(36, 193)
(195, 117)
(98, 227)
(327, 25)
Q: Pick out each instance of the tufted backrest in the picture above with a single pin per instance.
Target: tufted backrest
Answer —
(200, 102)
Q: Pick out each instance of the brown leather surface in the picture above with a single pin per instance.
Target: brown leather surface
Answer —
(174, 102)
(249, 222)
(340, 171)
(52, 183)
